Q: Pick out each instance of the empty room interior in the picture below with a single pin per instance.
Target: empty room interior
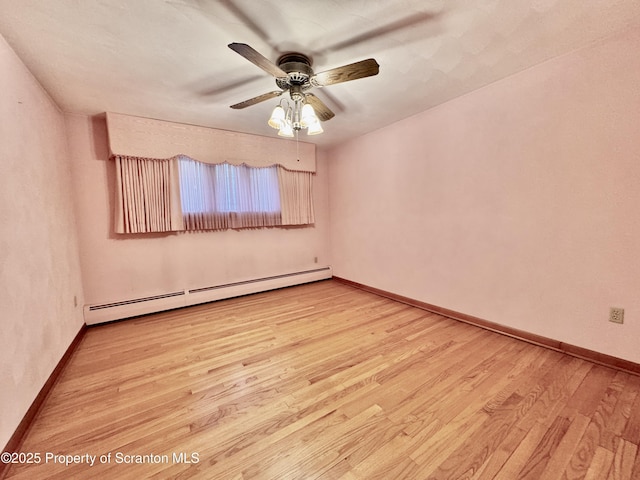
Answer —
(410, 249)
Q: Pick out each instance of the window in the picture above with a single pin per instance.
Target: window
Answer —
(208, 188)
(179, 193)
(228, 196)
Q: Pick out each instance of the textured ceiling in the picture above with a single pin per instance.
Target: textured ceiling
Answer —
(168, 59)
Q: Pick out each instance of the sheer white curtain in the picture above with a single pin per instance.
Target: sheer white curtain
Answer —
(147, 195)
(220, 196)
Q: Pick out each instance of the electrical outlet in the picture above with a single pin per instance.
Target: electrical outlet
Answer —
(315, 259)
(616, 315)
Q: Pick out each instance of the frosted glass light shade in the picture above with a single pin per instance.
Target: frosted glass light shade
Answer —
(277, 117)
(307, 116)
(315, 128)
(286, 130)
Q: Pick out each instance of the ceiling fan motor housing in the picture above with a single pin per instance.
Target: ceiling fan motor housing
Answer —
(298, 69)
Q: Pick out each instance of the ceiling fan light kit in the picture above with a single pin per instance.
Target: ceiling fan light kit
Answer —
(288, 118)
(293, 74)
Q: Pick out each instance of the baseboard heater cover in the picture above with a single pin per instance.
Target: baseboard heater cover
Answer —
(246, 282)
(107, 312)
(137, 300)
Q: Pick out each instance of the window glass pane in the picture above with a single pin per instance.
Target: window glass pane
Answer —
(224, 188)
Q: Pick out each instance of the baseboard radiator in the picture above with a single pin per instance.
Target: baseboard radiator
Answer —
(107, 312)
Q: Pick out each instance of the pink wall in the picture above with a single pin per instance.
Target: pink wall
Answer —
(116, 267)
(517, 203)
(38, 242)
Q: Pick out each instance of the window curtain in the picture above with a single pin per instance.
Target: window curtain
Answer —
(296, 197)
(222, 196)
(147, 195)
(154, 195)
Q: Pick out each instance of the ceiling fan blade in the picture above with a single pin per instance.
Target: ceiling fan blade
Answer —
(258, 99)
(257, 59)
(346, 73)
(322, 111)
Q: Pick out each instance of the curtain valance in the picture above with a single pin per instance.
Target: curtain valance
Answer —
(156, 139)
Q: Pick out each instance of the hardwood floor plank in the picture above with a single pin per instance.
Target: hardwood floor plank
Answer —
(325, 381)
(561, 455)
(584, 454)
(512, 458)
(606, 409)
(521, 455)
(623, 461)
(400, 469)
(468, 458)
(635, 473)
(607, 385)
(621, 414)
(632, 430)
(600, 465)
(551, 392)
(312, 447)
(539, 459)
(503, 418)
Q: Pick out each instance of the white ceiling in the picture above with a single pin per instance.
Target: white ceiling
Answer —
(168, 59)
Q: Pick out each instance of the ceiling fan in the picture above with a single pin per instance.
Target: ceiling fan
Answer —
(293, 74)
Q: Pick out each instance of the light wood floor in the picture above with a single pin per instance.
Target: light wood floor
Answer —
(324, 381)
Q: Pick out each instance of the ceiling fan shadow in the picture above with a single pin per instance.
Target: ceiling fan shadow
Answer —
(233, 8)
(335, 104)
(208, 88)
(392, 27)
